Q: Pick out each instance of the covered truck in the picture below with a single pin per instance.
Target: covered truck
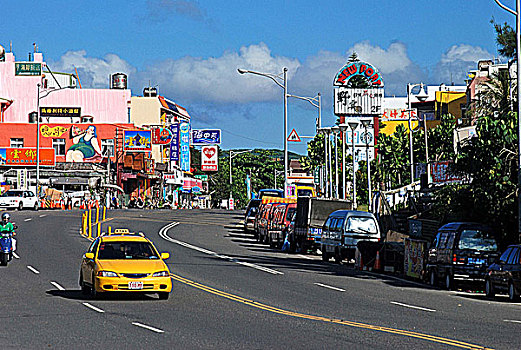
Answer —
(310, 217)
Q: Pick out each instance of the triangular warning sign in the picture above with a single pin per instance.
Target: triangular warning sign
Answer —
(293, 136)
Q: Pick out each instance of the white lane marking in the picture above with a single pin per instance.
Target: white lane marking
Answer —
(163, 234)
(93, 308)
(16, 255)
(29, 219)
(305, 257)
(513, 321)
(57, 285)
(412, 306)
(329, 287)
(43, 215)
(157, 330)
(33, 269)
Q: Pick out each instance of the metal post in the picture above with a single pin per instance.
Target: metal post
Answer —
(426, 148)
(354, 172)
(38, 142)
(368, 168)
(319, 111)
(231, 174)
(326, 174)
(285, 131)
(343, 165)
(336, 165)
(411, 151)
(330, 167)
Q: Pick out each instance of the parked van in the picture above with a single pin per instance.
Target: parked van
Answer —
(342, 231)
(249, 215)
(461, 252)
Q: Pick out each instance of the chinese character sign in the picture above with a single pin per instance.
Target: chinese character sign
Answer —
(27, 68)
(69, 112)
(358, 101)
(440, 172)
(184, 146)
(26, 156)
(398, 114)
(174, 144)
(205, 137)
(209, 158)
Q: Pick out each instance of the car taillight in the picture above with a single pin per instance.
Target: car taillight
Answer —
(457, 260)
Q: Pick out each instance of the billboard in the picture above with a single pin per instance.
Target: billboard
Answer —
(206, 136)
(161, 136)
(26, 156)
(209, 158)
(137, 140)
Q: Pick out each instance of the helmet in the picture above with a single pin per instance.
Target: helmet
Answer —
(6, 217)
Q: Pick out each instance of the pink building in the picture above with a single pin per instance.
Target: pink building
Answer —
(19, 94)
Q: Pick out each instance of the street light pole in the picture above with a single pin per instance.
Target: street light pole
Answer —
(353, 126)
(366, 123)
(343, 128)
(411, 151)
(336, 130)
(517, 13)
(284, 86)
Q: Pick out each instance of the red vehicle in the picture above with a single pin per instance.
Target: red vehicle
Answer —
(261, 221)
(282, 217)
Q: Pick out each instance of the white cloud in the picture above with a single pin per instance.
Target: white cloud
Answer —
(93, 72)
(216, 79)
(457, 61)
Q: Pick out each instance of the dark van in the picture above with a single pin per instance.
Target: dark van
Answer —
(461, 253)
(249, 215)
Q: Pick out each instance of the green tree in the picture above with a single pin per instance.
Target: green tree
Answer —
(506, 39)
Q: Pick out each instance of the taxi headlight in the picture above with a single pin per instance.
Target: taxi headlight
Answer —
(161, 274)
(107, 274)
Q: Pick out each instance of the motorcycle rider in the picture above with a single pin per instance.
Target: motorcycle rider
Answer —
(7, 226)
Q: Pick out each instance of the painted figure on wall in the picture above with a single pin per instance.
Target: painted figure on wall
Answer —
(86, 144)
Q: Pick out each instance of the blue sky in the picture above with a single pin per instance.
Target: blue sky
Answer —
(192, 49)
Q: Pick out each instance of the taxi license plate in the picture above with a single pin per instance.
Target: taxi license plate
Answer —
(135, 285)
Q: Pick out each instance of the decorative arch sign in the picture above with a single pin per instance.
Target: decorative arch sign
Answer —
(364, 69)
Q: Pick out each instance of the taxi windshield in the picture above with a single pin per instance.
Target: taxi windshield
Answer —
(126, 250)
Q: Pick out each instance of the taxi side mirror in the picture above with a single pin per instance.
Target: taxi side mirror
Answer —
(89, 255)
(165, 256)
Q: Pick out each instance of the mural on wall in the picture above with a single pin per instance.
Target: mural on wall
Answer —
(137, 140)
(85, 144)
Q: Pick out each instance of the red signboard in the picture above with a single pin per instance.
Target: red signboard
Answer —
(209, 158)
(440, 173)
(26, 156)
(161, 136)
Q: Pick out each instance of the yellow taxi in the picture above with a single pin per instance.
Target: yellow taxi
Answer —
(124, 262)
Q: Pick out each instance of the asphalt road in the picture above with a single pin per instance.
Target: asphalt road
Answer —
(229, 292)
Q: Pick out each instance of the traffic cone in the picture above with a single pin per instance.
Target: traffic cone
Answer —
(377, 263)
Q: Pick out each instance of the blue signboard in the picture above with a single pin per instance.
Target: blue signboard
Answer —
(206, 137)
(184, 146)
(174, 144)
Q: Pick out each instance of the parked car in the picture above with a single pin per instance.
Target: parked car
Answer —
(249, 217)
(342, 231)
(505, 274)
(19, 199)
(460, 253)
(282, 217)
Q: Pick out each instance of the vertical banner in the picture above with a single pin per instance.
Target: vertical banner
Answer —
(21, 179)
(184, 146)
(248, 185)
(174, 144)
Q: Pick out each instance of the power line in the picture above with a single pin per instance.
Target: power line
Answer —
(249, 138)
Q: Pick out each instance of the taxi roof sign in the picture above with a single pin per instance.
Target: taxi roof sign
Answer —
(125, 231)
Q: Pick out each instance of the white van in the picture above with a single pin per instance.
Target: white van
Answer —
(342, 231)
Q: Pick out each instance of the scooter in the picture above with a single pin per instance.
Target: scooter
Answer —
(6, 247)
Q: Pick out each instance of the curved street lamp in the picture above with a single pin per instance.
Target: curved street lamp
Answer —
(421, 96)
(282, 81)
(233, 154)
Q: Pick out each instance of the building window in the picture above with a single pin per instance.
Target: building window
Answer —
(59, 146)
(17, 143)
(107, 145)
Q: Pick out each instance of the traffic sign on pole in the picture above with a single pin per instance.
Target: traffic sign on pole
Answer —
(293, 136)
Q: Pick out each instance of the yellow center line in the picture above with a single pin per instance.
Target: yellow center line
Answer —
(432, 338)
